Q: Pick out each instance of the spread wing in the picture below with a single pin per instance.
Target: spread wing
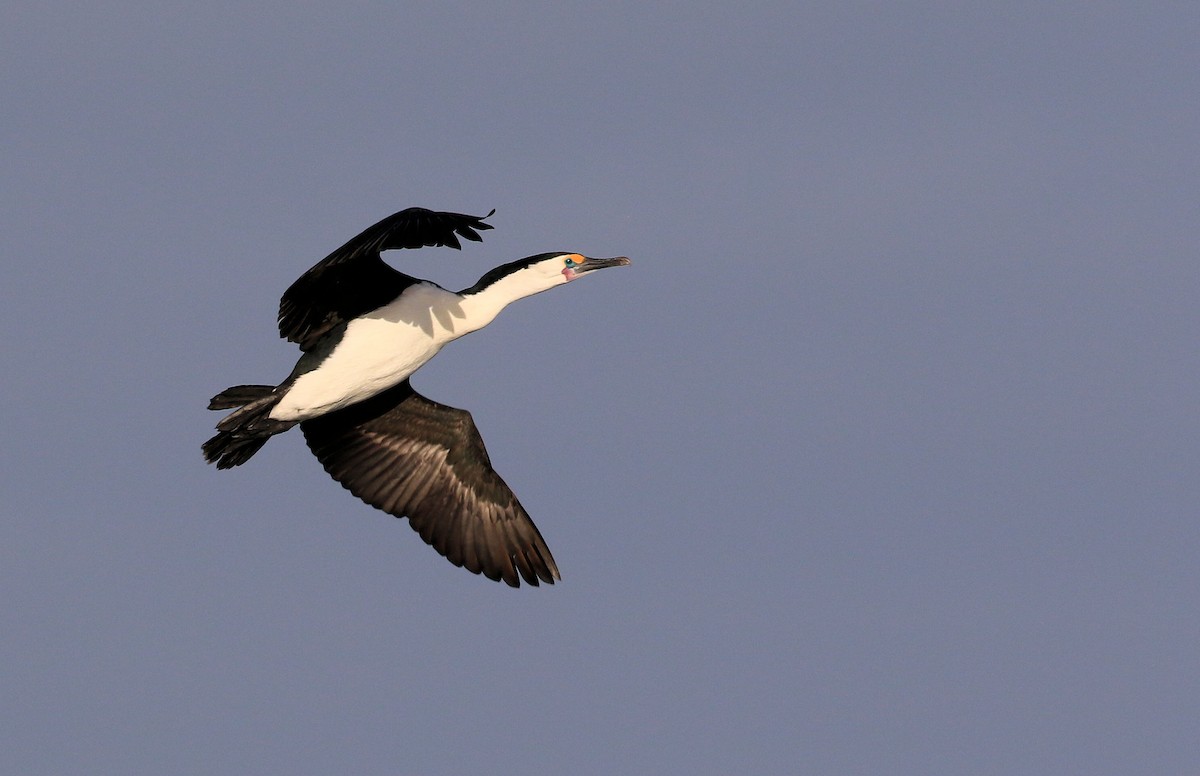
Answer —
(354, 280)
(415, 458)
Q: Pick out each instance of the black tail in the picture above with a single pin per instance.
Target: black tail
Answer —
(241, 433)
(239, 395)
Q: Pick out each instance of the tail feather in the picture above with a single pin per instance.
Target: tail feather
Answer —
(239, 395)
(227, 450)
(241, 433)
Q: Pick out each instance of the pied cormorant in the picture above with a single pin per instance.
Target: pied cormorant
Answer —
(364, 328)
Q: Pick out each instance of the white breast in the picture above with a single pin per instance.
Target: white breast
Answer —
(377, 352)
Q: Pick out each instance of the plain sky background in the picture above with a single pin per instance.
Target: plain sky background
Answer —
(880, 459)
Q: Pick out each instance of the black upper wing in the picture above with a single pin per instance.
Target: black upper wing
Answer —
(415, 458)
(354, 280)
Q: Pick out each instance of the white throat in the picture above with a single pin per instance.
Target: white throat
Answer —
(481, 307)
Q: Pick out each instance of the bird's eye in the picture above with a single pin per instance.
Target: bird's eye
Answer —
(570, 262)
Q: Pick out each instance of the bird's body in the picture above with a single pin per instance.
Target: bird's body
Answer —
(365, 329)
(374, 352)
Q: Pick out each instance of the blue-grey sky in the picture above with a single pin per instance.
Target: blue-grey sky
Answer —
(881, 458)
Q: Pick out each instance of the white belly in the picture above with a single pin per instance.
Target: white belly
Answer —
(375, 353)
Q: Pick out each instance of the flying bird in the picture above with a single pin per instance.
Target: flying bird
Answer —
(364, 328)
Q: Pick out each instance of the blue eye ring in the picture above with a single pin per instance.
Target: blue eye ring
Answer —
(570, 262)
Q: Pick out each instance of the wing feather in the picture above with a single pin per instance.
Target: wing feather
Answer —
(354, 279)
(415, 458)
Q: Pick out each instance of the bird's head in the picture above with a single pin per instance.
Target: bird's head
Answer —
(543, 271)
(573, 265)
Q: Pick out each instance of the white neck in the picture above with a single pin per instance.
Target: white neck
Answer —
(481, 307)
